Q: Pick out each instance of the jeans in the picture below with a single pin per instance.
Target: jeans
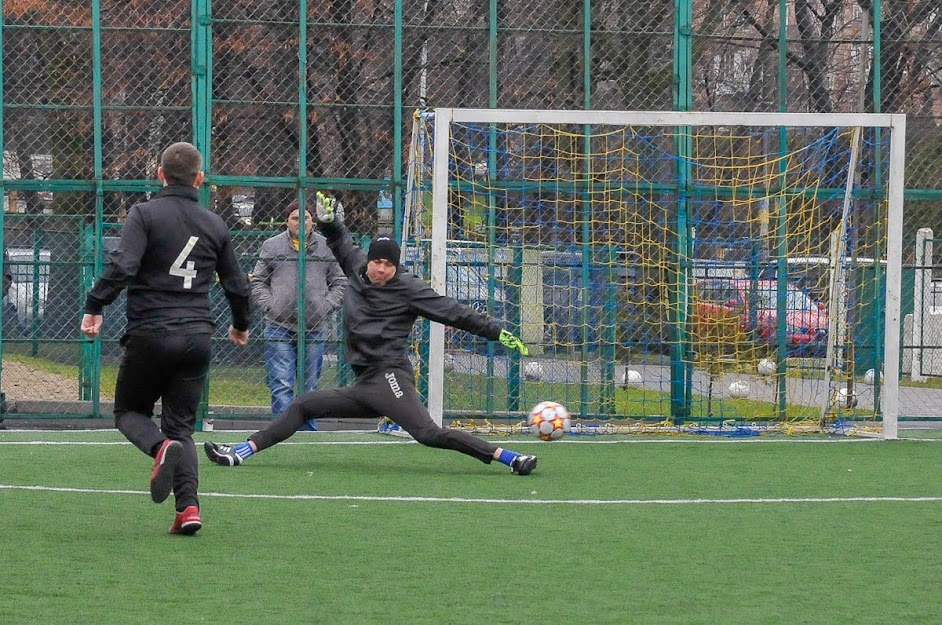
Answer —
(281, 359)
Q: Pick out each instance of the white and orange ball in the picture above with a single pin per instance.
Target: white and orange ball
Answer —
(549, 420)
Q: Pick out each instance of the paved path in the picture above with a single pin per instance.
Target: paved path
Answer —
(914, 401)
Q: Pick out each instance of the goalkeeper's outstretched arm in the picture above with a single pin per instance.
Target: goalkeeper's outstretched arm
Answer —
(349, 255)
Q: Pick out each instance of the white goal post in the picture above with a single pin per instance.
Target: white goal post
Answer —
(443, 180)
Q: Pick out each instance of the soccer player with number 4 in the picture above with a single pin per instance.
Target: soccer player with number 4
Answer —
(380, 305)
(170, 251)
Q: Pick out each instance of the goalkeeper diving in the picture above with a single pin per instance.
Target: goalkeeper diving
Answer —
(380, 305)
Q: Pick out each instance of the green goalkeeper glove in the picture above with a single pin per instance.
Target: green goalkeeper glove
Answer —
(325, 208)
(510, 341)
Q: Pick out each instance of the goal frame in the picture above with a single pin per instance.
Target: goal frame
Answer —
(895, 124)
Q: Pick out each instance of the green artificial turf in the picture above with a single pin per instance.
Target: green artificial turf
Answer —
(346, 528)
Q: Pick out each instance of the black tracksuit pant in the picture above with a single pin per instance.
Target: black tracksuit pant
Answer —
(387, 389)
(172, 368)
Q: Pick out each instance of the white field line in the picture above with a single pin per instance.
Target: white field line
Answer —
(471, 500)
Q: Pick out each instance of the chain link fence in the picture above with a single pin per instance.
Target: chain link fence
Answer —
(291, 94)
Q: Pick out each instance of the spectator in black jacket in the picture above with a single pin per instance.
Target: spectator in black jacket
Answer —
(9, 315)
(10, 320)
(171, 250)
(7, 274)
(380, 305)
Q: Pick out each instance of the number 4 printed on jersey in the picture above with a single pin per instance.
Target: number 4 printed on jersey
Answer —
(187, 272)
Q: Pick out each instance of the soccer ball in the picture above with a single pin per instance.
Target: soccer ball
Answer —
(766, 366)
(532, 370)
(738, 389)
(480, 169)
(631, 376)
(846, 398)
(870, 377)
(549, 420)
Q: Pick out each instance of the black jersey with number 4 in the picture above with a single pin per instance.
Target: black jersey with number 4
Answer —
(171, 250)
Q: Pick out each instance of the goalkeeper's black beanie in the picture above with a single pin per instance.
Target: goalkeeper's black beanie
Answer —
(385, 248)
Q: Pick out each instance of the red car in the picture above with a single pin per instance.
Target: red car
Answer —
(729, 310)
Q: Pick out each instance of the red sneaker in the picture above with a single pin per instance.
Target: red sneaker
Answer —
(165, 463)
(187, 522)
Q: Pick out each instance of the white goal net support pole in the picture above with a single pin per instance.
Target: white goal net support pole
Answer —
(674, 125)
(894, 275)
(443, 119)
(837, 303)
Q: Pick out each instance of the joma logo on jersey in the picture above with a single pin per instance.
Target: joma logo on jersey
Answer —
(393, 384)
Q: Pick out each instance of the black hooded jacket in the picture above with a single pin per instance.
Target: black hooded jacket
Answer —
(379, 319)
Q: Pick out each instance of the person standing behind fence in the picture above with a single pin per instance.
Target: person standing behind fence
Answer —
(170, 252)
(9, 307)
(7, 274)
(275, 291)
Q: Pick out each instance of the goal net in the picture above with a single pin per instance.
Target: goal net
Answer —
(718, 273)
